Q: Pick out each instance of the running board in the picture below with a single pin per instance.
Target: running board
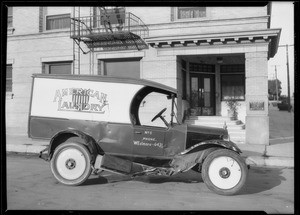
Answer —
(117, 165)
(126, 167)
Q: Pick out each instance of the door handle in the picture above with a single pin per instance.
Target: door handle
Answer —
(138, 132)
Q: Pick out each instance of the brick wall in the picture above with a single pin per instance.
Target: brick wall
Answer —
(28, 52)
(25, 20)
(158, 15)
(257, 120)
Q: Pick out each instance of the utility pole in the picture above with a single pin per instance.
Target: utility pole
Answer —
(276, 83)
(288, 76)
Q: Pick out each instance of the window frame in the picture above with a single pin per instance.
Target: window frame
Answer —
(103, 70)
(234, 73)
(189, 9)
(47, 65)
(58, 15)
(177, 19)
(10, 10)
(11, 79)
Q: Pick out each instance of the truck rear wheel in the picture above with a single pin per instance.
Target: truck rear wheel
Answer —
(224, 172)
(71, 162)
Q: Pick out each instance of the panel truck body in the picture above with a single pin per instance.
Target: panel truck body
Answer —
(96, 123)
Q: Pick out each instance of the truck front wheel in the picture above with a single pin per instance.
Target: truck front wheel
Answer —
(224, 172)
(71, 162)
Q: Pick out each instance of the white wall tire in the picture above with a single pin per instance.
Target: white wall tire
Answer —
(224, 172)
(71, 163)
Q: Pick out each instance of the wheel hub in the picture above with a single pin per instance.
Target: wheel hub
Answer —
(70, 163)
(224, 172)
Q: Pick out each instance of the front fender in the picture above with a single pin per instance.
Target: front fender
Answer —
(197, 153)
(213, 143)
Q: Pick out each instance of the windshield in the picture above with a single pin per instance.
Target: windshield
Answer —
(149, 103)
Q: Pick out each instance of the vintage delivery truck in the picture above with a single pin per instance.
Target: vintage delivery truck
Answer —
(97, 123)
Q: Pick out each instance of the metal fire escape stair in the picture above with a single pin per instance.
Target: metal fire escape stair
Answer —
(105, 29)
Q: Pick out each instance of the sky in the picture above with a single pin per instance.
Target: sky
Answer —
(282, 16)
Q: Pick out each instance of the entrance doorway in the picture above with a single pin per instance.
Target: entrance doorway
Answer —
(202, 94)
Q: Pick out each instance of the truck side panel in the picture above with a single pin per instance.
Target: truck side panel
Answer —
(113, 138)
(82, 100)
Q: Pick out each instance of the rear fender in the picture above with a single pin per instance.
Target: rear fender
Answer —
(87, 140)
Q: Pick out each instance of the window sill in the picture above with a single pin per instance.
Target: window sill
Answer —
(238, 100)
(57, 30)
(191, 19)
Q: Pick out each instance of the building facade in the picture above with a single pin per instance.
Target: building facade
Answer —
(212, 55)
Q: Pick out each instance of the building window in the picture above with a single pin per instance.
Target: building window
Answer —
(191, 12)
(57, 68)
(10, 17)
(129, 68)
(202, 68)
(58, 22)
(9, 78)
(233, 82)
(114, 15)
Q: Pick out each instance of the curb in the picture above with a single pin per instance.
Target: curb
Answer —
(25, 148)
(270, 161)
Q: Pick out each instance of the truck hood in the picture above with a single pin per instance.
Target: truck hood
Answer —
(206, 130)
(197, 134)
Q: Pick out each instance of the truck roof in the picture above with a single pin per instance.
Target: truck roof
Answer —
(99, 78)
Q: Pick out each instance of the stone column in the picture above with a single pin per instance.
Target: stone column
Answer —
(257, 119)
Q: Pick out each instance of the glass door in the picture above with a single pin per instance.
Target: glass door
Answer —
(202, 94)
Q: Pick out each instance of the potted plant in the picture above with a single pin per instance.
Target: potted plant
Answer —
(233, 107)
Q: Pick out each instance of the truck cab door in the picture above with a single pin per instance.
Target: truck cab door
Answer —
(175, 140)
(148, 140)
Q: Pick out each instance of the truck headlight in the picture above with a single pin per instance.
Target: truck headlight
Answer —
(226, 137)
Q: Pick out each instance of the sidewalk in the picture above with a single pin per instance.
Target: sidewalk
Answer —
(280, 152)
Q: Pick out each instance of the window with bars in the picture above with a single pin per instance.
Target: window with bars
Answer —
(64, 67)
(206, 68)
(233, 82)
(10, 17)
(9, 78)
(58, 22)
(191, 12)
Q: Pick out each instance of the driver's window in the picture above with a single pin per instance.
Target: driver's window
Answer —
(151, 105)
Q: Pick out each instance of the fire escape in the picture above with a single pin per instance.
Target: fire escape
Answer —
(105, 29)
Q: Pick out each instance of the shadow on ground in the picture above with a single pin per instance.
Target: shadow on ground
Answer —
(187, 177)
(261, 179)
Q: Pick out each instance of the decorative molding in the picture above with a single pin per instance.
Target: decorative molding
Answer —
(57, 58)
(228, 38)
(120, 54)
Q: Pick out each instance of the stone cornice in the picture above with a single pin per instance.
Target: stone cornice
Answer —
(265, 35)
(220, 36)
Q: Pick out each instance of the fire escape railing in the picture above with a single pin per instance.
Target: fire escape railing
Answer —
(94, 26)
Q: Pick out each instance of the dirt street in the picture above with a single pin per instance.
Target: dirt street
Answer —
(31, 186)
